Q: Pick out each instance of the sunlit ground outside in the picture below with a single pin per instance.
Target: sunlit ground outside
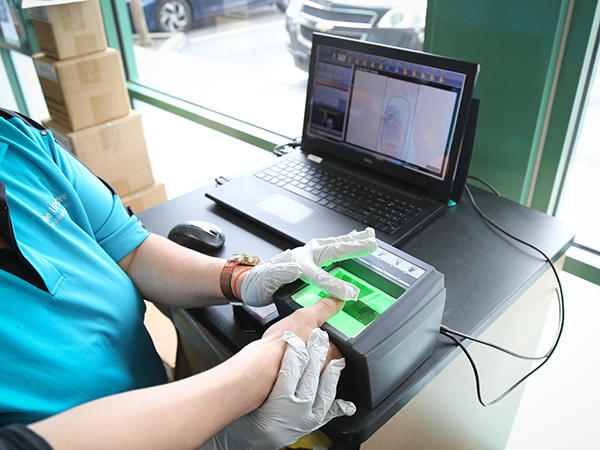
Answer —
(239, 67)
(238, 63)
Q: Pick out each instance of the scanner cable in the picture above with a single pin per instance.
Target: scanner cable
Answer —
(451, 334)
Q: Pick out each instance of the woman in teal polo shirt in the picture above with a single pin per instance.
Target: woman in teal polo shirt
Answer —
(73, 267)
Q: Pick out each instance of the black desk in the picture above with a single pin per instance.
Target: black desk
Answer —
(484, 274)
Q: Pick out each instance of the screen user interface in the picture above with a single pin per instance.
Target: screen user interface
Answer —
(355, 316)
(400, 111)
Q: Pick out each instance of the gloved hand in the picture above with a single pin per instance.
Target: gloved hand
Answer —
(263, 280)
(301, 401)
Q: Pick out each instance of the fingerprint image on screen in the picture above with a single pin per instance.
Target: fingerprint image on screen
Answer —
(402, 119)
(394, 126)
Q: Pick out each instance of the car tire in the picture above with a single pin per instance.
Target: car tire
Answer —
(174, 15)
(283, 4)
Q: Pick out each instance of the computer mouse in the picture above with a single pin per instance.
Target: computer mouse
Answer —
(200, 236)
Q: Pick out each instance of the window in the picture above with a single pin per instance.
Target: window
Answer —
(579, 204)
(7, 98)
(249, 59)
(33, 93)
(186, 155)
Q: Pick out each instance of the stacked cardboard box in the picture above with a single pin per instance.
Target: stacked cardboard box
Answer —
(84, 87)
(73, 29)
(84, 90)
(114, 150)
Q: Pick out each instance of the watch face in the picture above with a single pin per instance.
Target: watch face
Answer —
(246, 259)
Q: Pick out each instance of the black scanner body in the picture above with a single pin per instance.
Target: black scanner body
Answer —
(389, 349)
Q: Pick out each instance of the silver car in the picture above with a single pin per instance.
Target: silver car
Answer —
(395, 22)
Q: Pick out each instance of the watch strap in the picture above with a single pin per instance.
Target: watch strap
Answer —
(225, 280)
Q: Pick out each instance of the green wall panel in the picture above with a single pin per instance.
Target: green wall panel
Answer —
(569, 99)
(517, 45)
(119, 34)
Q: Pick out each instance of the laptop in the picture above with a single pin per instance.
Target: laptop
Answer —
(381, 142)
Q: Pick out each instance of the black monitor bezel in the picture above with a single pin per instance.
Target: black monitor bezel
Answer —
(436, 188)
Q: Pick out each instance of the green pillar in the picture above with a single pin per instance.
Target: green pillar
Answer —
(517, 43)
(119, 34)
(575, 80)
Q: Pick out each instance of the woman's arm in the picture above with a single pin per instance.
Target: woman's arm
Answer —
(186, 413)
(173, 275)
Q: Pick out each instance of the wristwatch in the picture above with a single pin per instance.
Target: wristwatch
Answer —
(237, 259)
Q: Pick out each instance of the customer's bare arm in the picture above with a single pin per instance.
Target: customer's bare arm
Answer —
(184, 414)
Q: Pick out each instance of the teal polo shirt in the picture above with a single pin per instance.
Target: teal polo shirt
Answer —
(77, 334)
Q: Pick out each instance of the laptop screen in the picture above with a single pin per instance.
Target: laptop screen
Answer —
(400, 111)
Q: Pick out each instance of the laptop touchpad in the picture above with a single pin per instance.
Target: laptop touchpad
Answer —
(285, 208)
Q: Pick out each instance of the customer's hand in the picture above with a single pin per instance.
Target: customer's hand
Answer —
(301, 401)
(303, 321)
(262, 281)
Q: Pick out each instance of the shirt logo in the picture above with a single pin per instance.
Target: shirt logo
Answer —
(56, 210)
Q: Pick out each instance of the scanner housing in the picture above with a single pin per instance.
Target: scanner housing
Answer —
(397, 315)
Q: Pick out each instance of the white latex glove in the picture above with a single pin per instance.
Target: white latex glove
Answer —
(263, 280)
(301, 401)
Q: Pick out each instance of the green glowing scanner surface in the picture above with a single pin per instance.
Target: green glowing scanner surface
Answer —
(355, 315)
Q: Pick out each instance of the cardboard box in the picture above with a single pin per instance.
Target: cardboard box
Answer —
(146, 198)
(83, 91)
(115, 151)
(69, 30)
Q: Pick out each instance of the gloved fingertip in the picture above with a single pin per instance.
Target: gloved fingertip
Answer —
(349, 292)
(293, 340)
(338, 363)
(288, 335)
(346, 407)
(341, 290)
(367, 233)
(319, 338)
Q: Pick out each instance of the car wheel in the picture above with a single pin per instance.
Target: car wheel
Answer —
(174, 15)
(283, 4)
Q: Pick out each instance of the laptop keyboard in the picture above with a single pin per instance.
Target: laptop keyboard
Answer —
(373, 208)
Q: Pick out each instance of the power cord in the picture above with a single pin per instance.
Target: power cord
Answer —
(486, 184)
(451, 334)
